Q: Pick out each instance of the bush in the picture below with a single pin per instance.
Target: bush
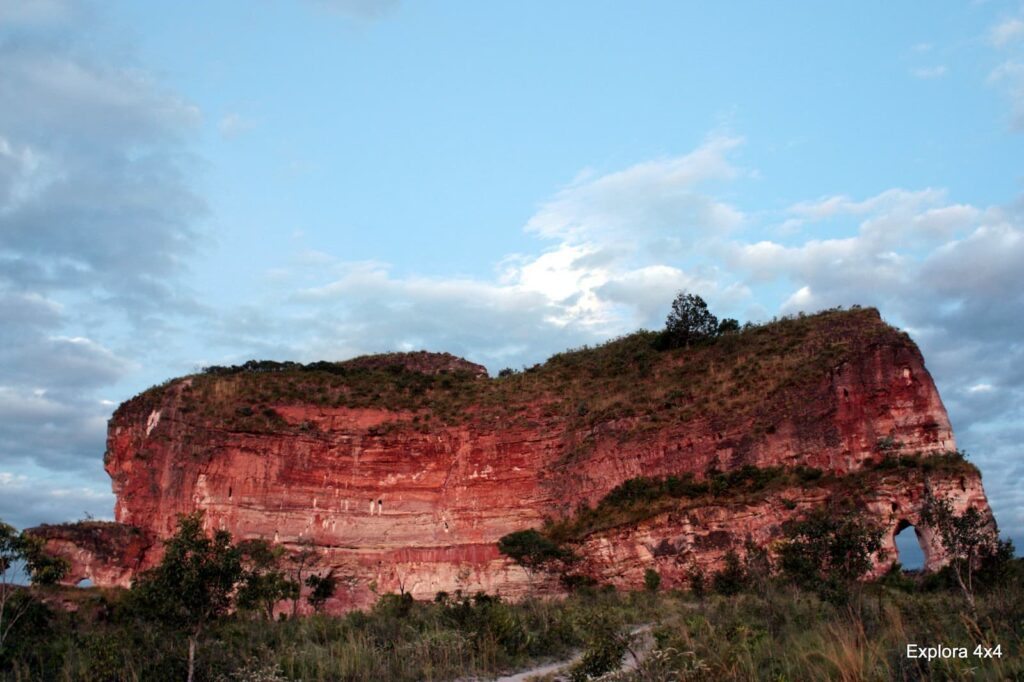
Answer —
(728, 326)
(652, 580)
(531, 550)
(828, 550)
(606, 645)
(733, 578)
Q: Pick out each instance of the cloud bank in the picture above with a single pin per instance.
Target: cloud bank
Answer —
(96, 221)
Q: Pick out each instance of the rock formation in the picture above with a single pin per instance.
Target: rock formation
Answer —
(405, 469)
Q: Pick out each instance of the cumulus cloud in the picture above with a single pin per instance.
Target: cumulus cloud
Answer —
(603, 273)
(92, 176)
(371, 309)
(30, 499)
(1006, 32)
(662, 196)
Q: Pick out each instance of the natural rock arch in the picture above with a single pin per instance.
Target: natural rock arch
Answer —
(910, 548)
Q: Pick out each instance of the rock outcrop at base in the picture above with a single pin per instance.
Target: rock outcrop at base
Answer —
(405, 470)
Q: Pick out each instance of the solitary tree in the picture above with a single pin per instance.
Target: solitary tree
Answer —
(689, 321)
(300, 562)
(193, 585)
(263, 582)
(532, 550)
(965, 537)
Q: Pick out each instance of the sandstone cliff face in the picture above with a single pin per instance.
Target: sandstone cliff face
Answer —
(405, 476)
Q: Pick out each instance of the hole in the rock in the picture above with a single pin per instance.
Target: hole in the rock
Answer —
(908, 547)
(84, 582)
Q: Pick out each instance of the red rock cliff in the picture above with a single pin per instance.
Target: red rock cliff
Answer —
(406, 469)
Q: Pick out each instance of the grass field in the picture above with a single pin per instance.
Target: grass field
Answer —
(771, 632)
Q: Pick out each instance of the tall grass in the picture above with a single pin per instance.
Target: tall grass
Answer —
(778, 633)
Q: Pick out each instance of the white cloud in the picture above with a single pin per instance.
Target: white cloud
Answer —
(663, 196)
(604, 275)
(35, 13)
(1010, 76)
(97, 215)
(8, 479)
(1007, 32)
(233, 124)
(29, 500)
(929, 72)
(888, 201)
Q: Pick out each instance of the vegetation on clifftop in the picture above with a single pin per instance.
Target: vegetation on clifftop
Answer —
(756, 372)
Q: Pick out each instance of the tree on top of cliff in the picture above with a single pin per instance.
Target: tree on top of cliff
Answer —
(194, 583)
(689, 322)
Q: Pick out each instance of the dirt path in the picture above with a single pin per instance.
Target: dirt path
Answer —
(642, 644)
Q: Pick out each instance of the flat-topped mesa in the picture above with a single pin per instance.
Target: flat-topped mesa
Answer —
(405, 474)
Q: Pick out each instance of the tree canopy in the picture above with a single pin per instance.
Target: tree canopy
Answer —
(531, 550)
(193, 585)
(17, 550)
(967, 538)
(827, 551)
(690, 322)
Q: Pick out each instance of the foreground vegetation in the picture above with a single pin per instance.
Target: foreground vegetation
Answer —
(206, 613)
(771, 631)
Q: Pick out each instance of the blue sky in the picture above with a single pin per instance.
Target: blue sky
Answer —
(204, 183)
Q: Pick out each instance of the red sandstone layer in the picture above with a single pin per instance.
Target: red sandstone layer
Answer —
(415, 497)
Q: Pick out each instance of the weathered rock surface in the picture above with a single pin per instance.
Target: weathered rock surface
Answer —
(405, 471)
(107, 553)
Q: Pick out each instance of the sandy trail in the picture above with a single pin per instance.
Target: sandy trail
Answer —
(642, 645)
